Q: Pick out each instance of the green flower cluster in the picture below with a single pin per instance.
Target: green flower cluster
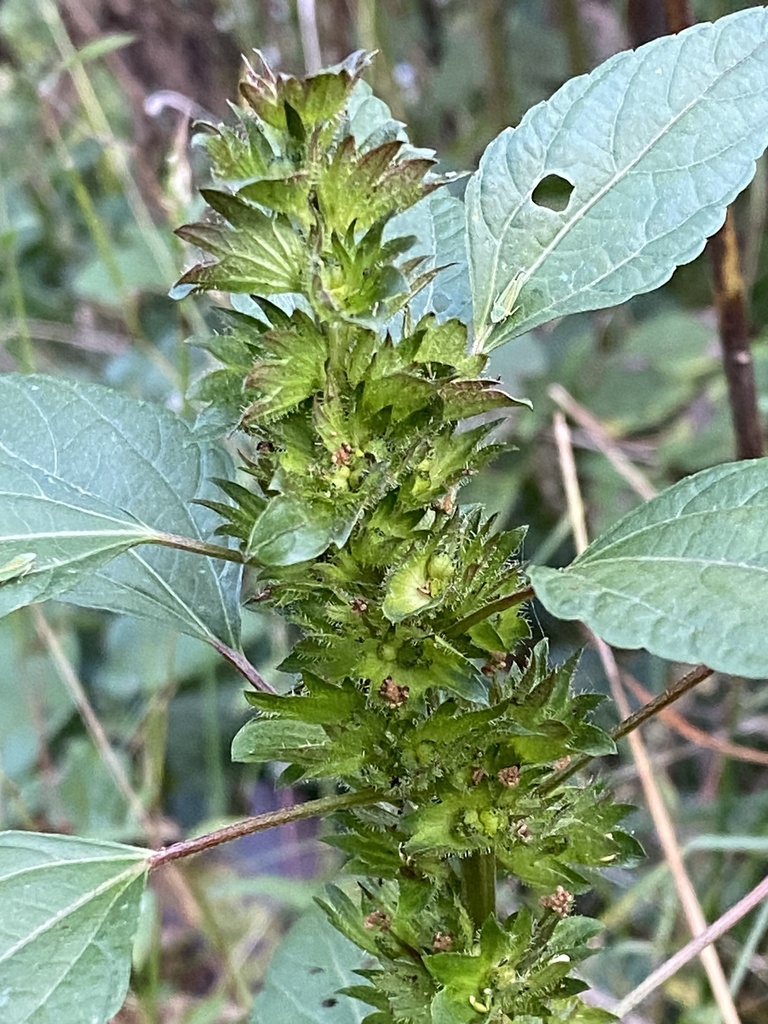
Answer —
(416, 676)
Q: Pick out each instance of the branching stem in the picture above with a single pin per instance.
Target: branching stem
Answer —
(259, 823)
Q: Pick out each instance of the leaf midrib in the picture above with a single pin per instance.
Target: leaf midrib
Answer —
(128, 875)
(580, 213)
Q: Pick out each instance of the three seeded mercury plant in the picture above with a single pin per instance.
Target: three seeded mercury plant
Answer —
(365, 298)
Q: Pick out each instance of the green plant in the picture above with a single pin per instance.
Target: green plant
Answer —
(354, 380)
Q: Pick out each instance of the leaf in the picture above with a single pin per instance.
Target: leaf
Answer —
(292, 529)
(685, 575)
(437, 225)
(98, 48)
(311, 964)
(655, 142)
(260, 254)
(85, 473)
(35, 704)
(409, 589)
(51, 534)
(273, 739)
(370, 119)
(69, 909)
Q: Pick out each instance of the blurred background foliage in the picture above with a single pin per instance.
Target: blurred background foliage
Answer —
(116, 728)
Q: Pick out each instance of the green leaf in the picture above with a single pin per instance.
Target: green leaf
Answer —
(69, 909)
(35, 704)
(274, 739)
(409, 589)
(655, 142)
(85, 473)
(301, 986)
(262, 254)
(437, 226)
(318, 97)
(98, 48)
(685, 575)
(51, 534)
(292, 530)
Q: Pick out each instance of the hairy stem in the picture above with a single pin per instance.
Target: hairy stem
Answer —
(198, 547)
(239, 661)
(259, 823)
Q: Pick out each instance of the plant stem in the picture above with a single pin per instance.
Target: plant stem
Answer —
(693, 948)
(198, 547)
(310, 37)
(478, 879)
(239, 661)
(679, 14)
(259, 823)
(499, 104)
(570, 21)
(729, 293)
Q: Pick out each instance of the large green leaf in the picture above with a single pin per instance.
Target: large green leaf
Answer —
(68, 913)
(437, 225)
(685, 575)
(51, 533)
(85, 473)
(655, 143)
(313, 962)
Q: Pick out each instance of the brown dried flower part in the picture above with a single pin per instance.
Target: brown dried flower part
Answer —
(342, 454)
(562, 762)
(560, 901)
(392, 693)
(447, 503)
(478, 774)
(496, 660)
(509, 776)
(442, 942)
(378, 919)
(358, 605)
(522, 831)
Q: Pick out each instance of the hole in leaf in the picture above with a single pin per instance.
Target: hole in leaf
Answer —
(553, 193)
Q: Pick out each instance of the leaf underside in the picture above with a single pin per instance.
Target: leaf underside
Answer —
(68, 913)
(85, 473)
(316, 961)
(655, 142)
(685, 575)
